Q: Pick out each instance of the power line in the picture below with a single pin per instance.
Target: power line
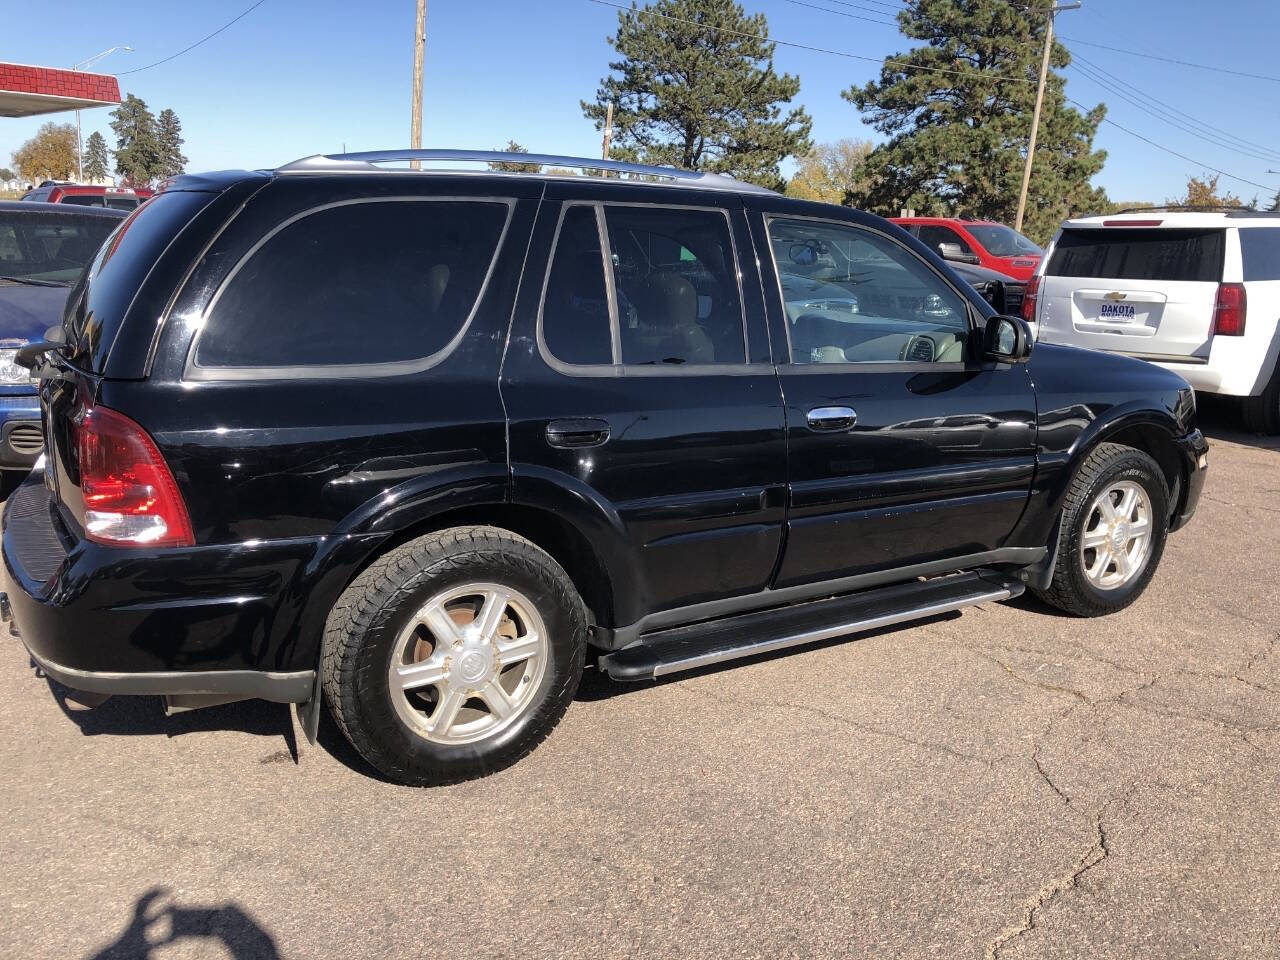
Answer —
(196, 44)
(841, 13)
(903, 64)
(1180, 156)
(1171, 115)
(1181, 63)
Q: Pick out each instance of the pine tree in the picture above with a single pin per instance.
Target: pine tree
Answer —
(694, 87)
(513, 147)
(169, 137)
(137, 147)
(96, 163)
(957, 112)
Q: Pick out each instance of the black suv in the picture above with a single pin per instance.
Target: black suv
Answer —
(415, 443)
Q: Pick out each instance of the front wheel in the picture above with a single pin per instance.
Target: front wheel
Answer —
(453, 655)
(1114, 524)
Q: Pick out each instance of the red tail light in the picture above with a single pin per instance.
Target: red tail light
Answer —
(130, 497)
(1229, 310)
(1029, 297)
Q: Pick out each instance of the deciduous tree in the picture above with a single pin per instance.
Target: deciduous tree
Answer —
(1202, 191)
(49, 155)
(957, 113)
(694, 87)
(830, 172)
(96, 164)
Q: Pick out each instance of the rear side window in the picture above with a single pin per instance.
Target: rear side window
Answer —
(1260, 251)
(676, 283)
(674, 298)
(575, 312)
(355, 283)
(1139, 254)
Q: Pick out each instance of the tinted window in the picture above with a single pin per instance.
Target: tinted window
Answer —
(82, 200)
(123, 203)
(1001, 241)
(1139, 254)
(357, 283)
(1260, 251)
(48, 246)
(931, 236)
(676, 282)
(853, 296)
(575, 309)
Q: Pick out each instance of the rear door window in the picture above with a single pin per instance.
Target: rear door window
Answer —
(370, 282)
(1139, 254)
(932, 236)
(1260, 253)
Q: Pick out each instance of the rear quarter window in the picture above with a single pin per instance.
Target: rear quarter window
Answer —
(366, 282)
(1260, 253)
(1117, 253)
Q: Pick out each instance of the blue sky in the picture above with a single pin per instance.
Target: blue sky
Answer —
(296, 77)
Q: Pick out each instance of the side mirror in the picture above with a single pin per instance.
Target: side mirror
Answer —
(1006, 340)
(952, 251)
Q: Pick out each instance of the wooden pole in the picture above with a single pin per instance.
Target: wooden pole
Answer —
(419, 54)
(608, 131)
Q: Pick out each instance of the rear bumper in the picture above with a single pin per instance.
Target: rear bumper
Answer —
(21, 435)
(205, 620)
(1195, 453)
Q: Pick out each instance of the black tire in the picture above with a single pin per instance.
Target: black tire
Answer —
(1071, 590)
(1262, 413)
(363, 630)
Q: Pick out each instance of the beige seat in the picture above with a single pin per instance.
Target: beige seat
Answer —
(667, 323)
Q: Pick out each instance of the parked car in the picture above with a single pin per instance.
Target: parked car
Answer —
(415, 444)
(1000, 290)
(88, 195)
(43, 250)
(982, 242)
(1197, 293)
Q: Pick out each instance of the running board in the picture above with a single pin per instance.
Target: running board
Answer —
(701, 644)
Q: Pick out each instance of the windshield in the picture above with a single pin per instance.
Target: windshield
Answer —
(53, 248)
(1000, 241)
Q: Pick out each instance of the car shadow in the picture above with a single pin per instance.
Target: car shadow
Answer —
(597, 685)
(145, 716)
(1219, 418)
(158, 922)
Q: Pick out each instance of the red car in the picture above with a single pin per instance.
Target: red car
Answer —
(984, 242)
(117, 198)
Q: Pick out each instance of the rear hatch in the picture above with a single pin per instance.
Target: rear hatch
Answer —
(1145, 291)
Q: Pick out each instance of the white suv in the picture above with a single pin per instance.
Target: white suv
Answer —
(1197, 293)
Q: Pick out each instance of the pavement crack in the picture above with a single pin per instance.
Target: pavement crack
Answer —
(846, 721)
(1020, 678)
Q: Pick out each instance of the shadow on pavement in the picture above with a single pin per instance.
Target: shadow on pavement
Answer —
(157, 923)
(1219, 418)
(144, 716)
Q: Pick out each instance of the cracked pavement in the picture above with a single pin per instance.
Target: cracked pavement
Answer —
(1003, 783)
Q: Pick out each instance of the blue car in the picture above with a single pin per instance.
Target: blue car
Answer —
(44, 248)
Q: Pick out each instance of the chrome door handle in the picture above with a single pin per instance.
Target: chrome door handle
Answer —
(585, 432)
(831, 418)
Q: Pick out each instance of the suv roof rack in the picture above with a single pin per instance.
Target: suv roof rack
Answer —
(365, 163)
(1230, 211)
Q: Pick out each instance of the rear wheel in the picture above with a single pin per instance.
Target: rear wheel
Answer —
(1114, 525)
(1262, 413)
(454, 655)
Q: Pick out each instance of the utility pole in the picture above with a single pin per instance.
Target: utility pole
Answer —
(608, 131)
(419, 52)
(1035, 114)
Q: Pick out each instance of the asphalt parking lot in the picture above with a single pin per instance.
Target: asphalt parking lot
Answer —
(1004, 782)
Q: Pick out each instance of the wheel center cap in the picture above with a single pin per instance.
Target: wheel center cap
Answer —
(473, 666)
(1120, 536)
